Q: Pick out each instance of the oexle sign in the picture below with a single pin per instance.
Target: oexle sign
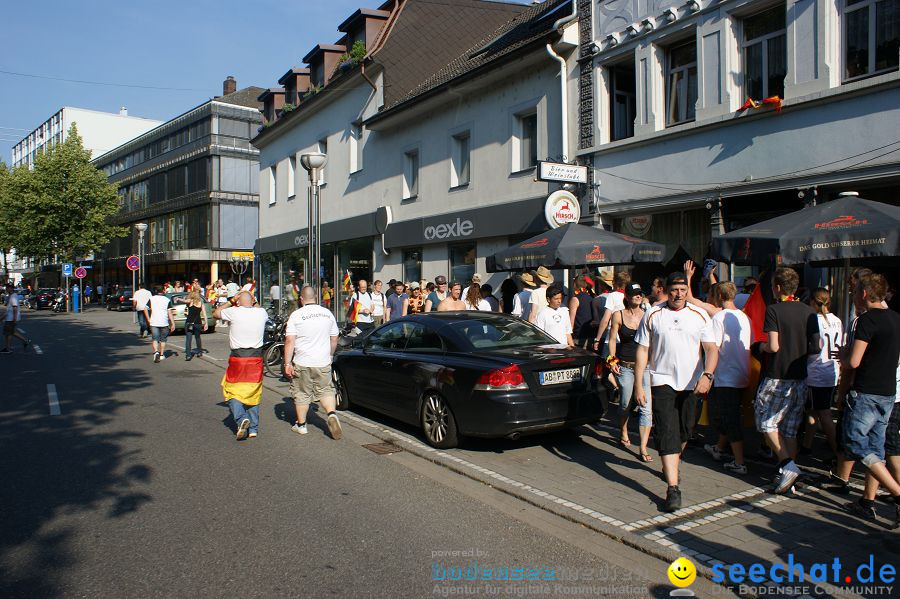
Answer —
(449, 230)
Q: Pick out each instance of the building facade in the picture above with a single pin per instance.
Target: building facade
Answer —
(705, 117)
(424, 181)
(193, 181)
(100, 132)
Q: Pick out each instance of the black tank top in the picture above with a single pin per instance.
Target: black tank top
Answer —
(626, 348)
(583, 316)
(193, 314)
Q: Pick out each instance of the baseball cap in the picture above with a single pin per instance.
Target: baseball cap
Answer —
(440, 280)
(633, 289)
(676, 278)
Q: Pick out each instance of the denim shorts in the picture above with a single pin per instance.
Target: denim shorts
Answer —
(865, 424)
(160, 334)
(625, 378)
(779, 406)
(892, 435)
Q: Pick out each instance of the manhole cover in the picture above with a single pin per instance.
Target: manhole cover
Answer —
(383, 448)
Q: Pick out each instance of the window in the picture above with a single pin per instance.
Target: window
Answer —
(462, 262)
(234, 128)
(765, 54)
(526, 136)
(423, 339)
(271, 175)
(410, 174)
(622, 101)
(459, 171)
(356, 147)
(236, 175)
(412, 265)
(292, 176)
(391, 337)
(322, 148)
(681, 91)
(871, 37)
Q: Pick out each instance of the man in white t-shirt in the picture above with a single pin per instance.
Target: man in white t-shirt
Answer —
(311, 337)
(522, 301)
(242, 383)
(140, 299)
(364, 319)
(538, 298)
(160, 314)
(554, 318)
(670, 340)
(13, 316)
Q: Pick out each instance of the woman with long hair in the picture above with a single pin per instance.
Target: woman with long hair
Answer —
(195, 313)
(823, 369)
(508, 291)
(473, 299)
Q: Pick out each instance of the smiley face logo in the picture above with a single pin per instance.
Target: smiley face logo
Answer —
(682, 572)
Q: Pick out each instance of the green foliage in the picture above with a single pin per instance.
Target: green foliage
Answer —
(313, 90)
(358, 51)
(287, 108)
(64, 205)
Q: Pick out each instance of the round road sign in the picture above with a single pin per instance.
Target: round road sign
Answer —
(133, 263)
(80, 272)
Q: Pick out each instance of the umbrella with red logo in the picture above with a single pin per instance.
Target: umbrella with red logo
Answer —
(575, 245)
(846, 229)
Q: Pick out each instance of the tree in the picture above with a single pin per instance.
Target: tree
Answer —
(7, 216)
(65, 204)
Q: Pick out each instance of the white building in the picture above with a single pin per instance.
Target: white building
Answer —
(100, 132)
(447, 163)
(679, 152)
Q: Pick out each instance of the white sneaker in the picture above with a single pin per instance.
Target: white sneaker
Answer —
(300, 429)
(733, 466)
(162, 357)
(334, 427)
(243, 427)
(789, 474)
(156, 356)
(714, 452)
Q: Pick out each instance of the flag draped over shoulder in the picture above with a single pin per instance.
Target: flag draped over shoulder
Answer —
(243, 380)
(755, 309)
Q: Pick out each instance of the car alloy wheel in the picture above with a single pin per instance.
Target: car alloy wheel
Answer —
(340, 391)
(438, 423)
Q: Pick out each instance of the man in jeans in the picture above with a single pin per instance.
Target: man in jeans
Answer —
(676, 342)
(140, 298)
(242, 383)
(311, 337)
(867, 409)
(793, 334)
(162, 322)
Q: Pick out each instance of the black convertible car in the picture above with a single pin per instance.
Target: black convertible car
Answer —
(477, 374)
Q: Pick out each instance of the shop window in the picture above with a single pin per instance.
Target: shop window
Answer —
(525, 138)
(765, 54)
(292, 178)
(622, 101)
(356, 147)
(871, 37)
(681, 87)
(462, 262)
(412, 265)
(410, 174)
(460, 163)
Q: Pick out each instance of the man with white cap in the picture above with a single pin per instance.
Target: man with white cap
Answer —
(538, 298)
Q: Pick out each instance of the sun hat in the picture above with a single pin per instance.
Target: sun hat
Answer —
(607, 277)
(527, 279)
(544, 274)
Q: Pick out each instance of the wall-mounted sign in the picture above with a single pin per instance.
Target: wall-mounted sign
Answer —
(561, 208)
(565, 173)
(241, 254)
(638, 225)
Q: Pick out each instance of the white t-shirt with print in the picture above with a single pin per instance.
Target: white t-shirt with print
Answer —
(140, 298)
(313, 326)
(555, 323)
(247, 326)
(159, 311)
(732, 332)
(674, 338)
(822, 369)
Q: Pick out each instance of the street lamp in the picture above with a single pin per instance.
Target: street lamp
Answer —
(313, 162)
(239, 266)
(141, 227)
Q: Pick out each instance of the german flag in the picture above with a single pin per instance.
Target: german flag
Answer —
(353, 313)
(348, 283)
(243, 380)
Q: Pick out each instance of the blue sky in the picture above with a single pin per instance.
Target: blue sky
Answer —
(188, 44)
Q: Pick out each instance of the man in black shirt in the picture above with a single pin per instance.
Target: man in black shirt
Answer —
(793, 332)
(874, 356)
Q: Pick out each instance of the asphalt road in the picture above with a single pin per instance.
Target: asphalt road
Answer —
(137, 488)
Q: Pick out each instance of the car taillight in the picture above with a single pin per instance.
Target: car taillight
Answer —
(503, 379)
(122, 299)
(598, 369)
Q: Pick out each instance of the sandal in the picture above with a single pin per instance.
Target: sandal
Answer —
(625, 442)
(646, 457)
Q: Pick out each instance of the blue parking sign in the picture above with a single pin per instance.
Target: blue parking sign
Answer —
(67, 269)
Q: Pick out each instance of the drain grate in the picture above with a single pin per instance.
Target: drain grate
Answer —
(383, 448)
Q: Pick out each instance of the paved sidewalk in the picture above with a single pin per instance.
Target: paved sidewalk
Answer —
(585, 476)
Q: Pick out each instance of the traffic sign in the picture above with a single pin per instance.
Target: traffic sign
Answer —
(80, 272)
(133, 263)
(67, 269)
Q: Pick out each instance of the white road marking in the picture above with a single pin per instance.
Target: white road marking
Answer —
(37, 349)
(53, 399)
(21, 330)
(209, 357)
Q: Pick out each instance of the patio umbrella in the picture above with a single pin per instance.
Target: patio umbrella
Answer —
(575, 245)
(837, 232)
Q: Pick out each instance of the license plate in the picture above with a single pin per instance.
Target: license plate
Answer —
(555, 377)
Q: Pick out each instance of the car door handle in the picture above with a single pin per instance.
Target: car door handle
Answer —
(387, 363)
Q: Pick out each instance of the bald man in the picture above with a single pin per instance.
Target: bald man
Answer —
(311, 337)
(242, 383)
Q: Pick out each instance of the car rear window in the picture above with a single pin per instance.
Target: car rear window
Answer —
(498, 333)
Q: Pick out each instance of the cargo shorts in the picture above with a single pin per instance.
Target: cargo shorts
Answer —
(311, 384)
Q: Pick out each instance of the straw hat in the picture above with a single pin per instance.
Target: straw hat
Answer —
(607, 277)
(526, 278)
(544, 274)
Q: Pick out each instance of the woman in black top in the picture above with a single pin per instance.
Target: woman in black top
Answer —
(196, 314)
(580, 312)
(622, 353)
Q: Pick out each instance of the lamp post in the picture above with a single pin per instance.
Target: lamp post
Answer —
(313, 162)
(140, 227)
(239, 266)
